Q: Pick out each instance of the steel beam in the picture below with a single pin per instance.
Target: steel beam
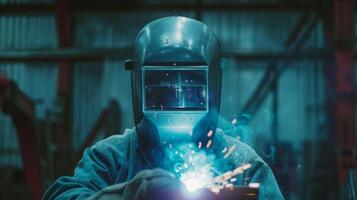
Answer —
(114, 6)
(277, 67)
(117, 6)
(31, 8)
(64, 91)
(97, 54)
(294, 33)
(57, 55)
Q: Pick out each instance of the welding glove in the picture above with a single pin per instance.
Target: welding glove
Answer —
(154, 184)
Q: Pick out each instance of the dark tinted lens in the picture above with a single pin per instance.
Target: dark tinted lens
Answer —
(175, 89)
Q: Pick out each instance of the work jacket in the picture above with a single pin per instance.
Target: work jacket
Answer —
(114, 161)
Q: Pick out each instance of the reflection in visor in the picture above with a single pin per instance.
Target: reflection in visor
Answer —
(172, 90)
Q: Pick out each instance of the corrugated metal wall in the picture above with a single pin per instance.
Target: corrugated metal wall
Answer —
(38, 80)
(267, 31)
(27, 31)
(96, 83)
(262, 31)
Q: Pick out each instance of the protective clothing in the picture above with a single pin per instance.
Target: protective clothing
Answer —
(154, 184)
(176, 82)
(113, 162)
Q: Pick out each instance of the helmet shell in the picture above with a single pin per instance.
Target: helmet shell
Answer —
(173, 42)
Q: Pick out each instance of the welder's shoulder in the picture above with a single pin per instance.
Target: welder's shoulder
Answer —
(241, 152)
(116, 143)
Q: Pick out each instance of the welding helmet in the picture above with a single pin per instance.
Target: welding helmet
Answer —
(176, 82)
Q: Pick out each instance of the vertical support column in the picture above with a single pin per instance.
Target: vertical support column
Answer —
(330, 88)
(340, 84)
(64, 92)
(274, 126)
(344, 85)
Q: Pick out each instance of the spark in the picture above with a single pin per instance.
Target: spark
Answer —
(223, 178)
(209, 143)
(247, 166)
(224, 150)
(229, 186)
(210, 133)
(234, 121)
(241, 169)
(222, 181)
(215, 189)
(254, 185)
(230, 151)
(199, 145)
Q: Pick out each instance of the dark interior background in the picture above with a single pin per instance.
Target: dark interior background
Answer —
(288, 83)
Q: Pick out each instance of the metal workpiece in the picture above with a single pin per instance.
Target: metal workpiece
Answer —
(234, 193)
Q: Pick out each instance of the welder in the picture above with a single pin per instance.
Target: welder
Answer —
(176, 87)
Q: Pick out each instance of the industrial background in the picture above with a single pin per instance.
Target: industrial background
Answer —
(288, 82)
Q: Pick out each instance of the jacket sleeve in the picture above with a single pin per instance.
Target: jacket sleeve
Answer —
(146, 185)
(259, 172)
(268, 187)
(92, 174)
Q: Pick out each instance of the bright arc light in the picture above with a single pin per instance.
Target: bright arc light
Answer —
(196, 179)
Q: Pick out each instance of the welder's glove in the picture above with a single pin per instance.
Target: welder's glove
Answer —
(154, 184)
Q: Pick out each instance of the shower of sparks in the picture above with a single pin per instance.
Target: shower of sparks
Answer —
(202, 177)
(195, 168)
(196, 179)
(226, 179)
